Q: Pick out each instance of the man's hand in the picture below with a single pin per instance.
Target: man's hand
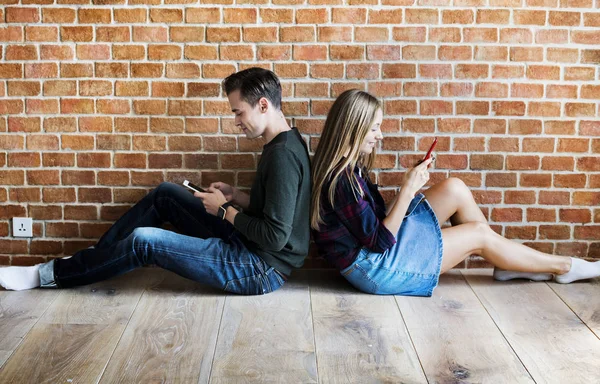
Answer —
(228, 191)
(212, 200)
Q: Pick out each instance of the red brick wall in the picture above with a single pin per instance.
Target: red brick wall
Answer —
(102, 100)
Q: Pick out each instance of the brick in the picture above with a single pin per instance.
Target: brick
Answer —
(150, 34)
(222, 34)
(23, 88)
(553, 198)
(575, 215)
(385, 16)
(472, 107)
(77, 33)
(94, 195)
(348, 15)
(58, 15)
(269, 34)
(558, 163)
(435, 107)
(23, 124)
(203, 15)
(334, 34)
(541, 215)
(95, 88)
(445, 35)
(327, 71)
(490, 126)
(94, 16)
(56, 52)
(33, 33)
(399, 71)
(113, 107)
(421, 16)
(58, 159)
(78, 178)
(536, 180)
(420, 125)
(411, 34)
(552, 36)
(463, 16)
(543, 72)
(183, 70)
(160, 161)
(41, 106)
(112, 70)
(21, 52)
(190, 107)
(483, 162)
(113, 34)
(93, 52)
(240, 15)
(219, 71)
(42, 177)
(74, 70)
(493, 16)
(184, 143)
(93, 160)
(312, 16)
(454, 125)
(586, 198)
(166, 15)
(133, 15)
(488, 89)
(585, 37)
(554, 232)
(527, 17)
(25, 195)
(555, 91)
(579, 109)
(506, 180)
(113, 178)
(507, 215)
(81, 106)
(22, 15)
(471, 71)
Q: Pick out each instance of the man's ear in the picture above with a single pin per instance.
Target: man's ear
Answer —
(263, 104)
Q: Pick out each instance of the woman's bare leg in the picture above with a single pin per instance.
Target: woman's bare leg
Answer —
(463, 240)
(452, 199)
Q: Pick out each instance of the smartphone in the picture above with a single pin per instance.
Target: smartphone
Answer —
(193, 187)
(428, 155)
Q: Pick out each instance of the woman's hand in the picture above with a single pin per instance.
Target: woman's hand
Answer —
(212, 200)
(417, 177)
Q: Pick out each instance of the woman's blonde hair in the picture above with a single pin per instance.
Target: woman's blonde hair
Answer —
(348, 122)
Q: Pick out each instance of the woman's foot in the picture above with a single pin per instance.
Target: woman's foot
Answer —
(20, 278)
(503, 275)
(580, 270)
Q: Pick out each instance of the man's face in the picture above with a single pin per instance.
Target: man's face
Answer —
(251, 120)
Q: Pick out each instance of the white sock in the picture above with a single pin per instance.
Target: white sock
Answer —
(580, 269)
(20, 278)
(503, 275)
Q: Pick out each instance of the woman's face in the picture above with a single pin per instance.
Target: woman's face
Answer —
(374, 135)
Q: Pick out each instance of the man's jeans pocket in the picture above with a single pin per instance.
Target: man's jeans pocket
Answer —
(251, 285)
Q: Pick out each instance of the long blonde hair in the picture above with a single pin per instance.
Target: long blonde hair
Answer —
(348, 122)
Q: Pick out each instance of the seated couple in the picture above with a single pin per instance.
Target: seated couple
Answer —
(399, 250)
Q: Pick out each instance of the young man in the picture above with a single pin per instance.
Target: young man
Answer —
(250, 252)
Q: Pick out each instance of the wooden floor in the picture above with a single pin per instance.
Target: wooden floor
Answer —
(152, 326)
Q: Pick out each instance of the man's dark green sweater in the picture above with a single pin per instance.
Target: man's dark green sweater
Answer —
(276, 225)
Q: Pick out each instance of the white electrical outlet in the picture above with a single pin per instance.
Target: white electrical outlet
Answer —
(22, 227)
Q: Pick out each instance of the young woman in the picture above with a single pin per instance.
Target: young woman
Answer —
(403, 250)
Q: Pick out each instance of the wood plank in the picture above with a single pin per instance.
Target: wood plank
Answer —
(171, 336)
(19, 311)
(553, 344)
(456, 339)
(107, 302)
(584, 299)
(267, 338)
(360, 338)
(60, 353)
(71, 343)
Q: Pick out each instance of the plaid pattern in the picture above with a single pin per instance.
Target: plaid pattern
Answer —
(351, 225)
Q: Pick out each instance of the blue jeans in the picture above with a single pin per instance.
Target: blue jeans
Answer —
(208, 250)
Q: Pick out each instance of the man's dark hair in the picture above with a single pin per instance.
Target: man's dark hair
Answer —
(254, 83)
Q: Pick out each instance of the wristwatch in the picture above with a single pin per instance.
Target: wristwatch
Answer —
(223, 210)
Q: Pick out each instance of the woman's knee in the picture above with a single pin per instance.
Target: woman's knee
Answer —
(456, 187)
